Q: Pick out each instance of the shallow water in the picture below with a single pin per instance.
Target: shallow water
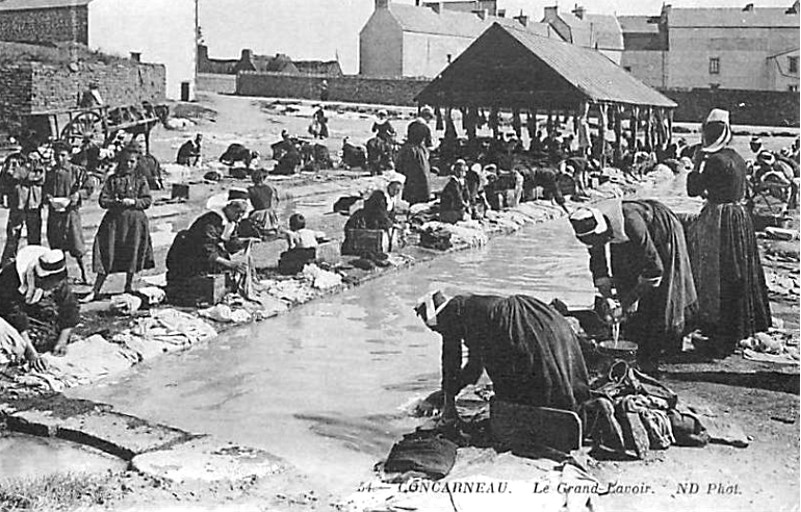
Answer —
(24, 456)
(324, 385)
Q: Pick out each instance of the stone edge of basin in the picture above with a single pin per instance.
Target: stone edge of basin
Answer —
(151, 449)
(97, 425)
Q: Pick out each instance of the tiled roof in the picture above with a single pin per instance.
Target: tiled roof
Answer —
(589, 72)
(727, 17)
(638, 24)
(601, 30)
(452, 23)
(22, 5)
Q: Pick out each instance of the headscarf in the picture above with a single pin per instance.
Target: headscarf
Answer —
(36, 261)
(717, 119)
(597, 219)
(430, 305)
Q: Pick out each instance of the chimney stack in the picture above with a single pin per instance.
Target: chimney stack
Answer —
(381, 4)
(481, 13)
(501, 13)
(551, 13)
(748, 8)
(522, 19)
(136, 56)
(579, 11)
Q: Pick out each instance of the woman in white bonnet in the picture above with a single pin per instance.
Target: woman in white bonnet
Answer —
(35, 286)
(732, 293)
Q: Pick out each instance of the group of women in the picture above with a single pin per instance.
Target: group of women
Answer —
(661, 281)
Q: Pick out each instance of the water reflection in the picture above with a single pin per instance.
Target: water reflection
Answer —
(305, 385)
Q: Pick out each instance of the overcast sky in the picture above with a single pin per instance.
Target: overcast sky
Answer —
(327, 29)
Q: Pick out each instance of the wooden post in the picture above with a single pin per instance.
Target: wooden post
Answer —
(618, 110)
(601, 142)
(649, 130)
(634, 122)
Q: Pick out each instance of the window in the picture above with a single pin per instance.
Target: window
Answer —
(792, 88)
(714, 65)
(449, 58)
(792, 64)
(627, 68)
(714, 87)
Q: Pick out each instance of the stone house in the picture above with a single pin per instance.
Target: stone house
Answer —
(158, 31)
(278, 63)
(600, 32)
(403, 40)
(749, 48)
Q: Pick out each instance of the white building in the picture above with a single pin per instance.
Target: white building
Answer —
(159, 31)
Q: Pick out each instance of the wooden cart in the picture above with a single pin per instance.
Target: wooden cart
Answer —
(99, 124)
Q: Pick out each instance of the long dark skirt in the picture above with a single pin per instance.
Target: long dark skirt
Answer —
(413, 163)
(122, 243)
(64, 231)
(733, 296)
(663, 314)
(529, 351)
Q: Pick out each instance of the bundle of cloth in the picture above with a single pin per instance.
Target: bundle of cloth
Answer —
(630, 413)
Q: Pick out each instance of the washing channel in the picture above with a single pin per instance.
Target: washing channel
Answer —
(324, 385)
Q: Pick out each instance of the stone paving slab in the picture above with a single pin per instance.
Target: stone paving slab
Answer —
(208, 460)
(115, 433)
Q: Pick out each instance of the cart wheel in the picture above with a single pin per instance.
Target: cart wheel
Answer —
(84, 125)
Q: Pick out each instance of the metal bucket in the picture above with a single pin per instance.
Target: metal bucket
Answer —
(625, 350)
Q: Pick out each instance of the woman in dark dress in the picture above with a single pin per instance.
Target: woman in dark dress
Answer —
(639, 257)
(207, 247)
(455, 200)
(529, 350)
(373, 215)
(122, 243)
(545, 177)
(413, 161)
(383, 128)
(37, 302)
(729, 278)
(320, 123)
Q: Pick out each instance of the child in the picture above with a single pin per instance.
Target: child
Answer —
(302, 245)
(65, 188)
(264, 198)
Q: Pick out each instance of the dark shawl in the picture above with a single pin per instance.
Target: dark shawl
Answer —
(529, 350)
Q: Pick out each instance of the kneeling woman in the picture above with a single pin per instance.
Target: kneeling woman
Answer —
(528, 349)
(208, 247)
(373, 216)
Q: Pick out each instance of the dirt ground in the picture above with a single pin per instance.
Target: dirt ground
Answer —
(761, 398)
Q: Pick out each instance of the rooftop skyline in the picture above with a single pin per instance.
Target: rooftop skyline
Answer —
(329, 29)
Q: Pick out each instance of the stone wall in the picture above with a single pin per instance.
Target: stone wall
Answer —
(57, 87)
(214, 66)
(15, 93)
(349, 88)
(764, 108)
(31, 88)
(208, 82)
(39, 25)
